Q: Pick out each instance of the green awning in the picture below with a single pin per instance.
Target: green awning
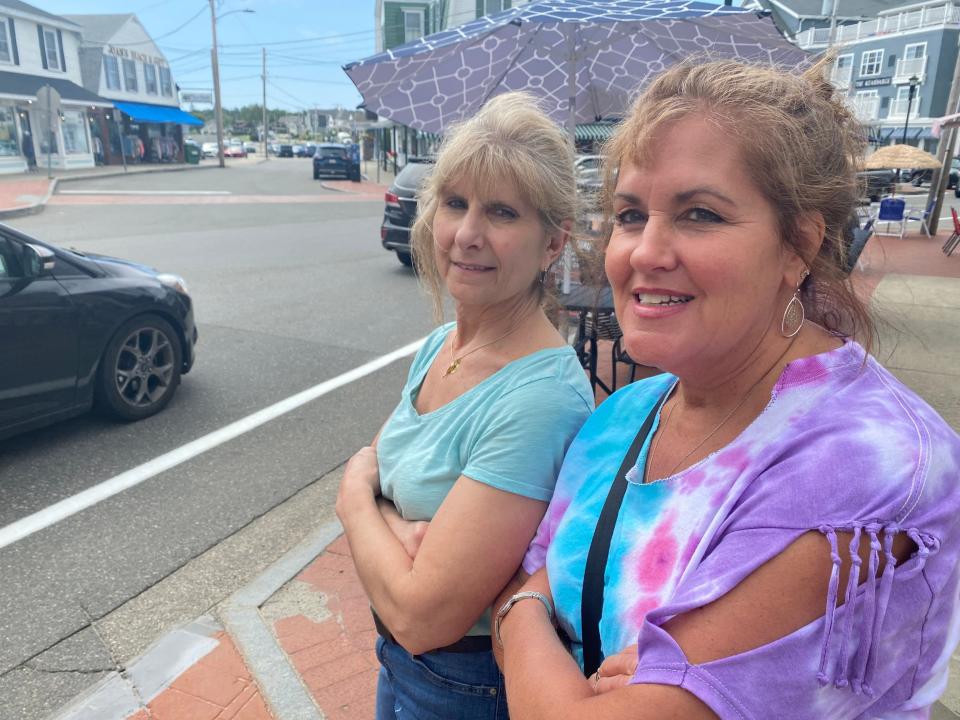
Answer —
(597, 131)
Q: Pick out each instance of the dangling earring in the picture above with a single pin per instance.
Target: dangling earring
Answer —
(542, 278)
(794, 312)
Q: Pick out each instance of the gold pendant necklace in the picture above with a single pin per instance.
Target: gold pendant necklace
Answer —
(455, 365)
(723, 422)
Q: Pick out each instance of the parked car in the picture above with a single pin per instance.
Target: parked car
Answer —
(310, 150)
(81, 329)
(919, 177)
(586, 163)
(299, 151)
(876, 183)
(234, 150)
(285, 151)
(251, 147)
(401, 207)
(332, 160)
(209, 149)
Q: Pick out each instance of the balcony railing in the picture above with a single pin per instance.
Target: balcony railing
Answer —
(866, 109)
(924, 17)
(898, 109)
(907, 68)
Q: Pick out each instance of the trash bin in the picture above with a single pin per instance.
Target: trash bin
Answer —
(191, 154)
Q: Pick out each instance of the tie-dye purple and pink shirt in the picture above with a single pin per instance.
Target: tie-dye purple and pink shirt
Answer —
(843, 447)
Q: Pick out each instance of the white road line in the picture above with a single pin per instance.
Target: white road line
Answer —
(42, 519)
(144, 192)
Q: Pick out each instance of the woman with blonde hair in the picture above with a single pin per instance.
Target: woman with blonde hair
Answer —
(770, 529)
(490, 404)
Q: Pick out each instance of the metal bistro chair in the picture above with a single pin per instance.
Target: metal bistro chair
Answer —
(951, 244)
(604, 326)
(857, 242)
(923, 218)
(892, 209)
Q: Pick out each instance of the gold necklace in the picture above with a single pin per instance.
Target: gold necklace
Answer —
(454, 366)
(722, 422)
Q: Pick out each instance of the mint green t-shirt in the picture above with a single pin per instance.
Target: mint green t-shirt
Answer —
(510, 431)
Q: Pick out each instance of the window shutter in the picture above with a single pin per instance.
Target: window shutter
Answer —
(480, 8)
(506, 4)
(63, 58)
(43, 48)
(891, 60)
(13, 41)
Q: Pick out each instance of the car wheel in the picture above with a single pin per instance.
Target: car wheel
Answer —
(140, 369)
(316, 175)
(404, 258)
(956, 191)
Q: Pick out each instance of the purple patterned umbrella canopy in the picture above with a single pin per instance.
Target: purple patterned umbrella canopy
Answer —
(584, 58)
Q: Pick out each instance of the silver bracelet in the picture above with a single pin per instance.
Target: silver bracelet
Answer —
(514, 599)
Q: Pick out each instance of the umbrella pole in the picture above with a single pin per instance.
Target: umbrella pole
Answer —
(572, 129)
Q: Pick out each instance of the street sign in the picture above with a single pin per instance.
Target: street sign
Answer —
(48, 108)
(196, 97)
(48, 100)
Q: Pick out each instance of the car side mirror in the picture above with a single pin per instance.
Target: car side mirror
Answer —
(37, 260)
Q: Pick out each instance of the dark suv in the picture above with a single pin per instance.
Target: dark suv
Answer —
(332, 160)
(401, 207)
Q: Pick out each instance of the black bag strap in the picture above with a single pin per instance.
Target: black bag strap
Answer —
(591, 601)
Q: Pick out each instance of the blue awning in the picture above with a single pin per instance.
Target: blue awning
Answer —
(157, 114)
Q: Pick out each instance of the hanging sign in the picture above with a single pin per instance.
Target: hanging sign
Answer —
(873, 82)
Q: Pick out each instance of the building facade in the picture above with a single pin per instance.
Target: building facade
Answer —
(120, 62)
(39, 49)
(880, 58)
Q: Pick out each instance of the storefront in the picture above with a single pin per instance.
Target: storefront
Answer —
(28, 136)
(132, 133)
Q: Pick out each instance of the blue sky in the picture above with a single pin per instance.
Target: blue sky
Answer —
(313, 38)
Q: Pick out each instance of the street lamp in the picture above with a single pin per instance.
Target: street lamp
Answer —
(217, 105)
(914, 81)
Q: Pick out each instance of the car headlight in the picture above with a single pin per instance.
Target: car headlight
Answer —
(174, 281)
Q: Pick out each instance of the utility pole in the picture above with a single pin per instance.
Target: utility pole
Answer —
(217, 105)
(833, 24)
(266, 132)
(945, 155)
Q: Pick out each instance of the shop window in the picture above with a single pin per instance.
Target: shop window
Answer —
(6, 54)
(166, 82)
(129, 75)
(150, 78)
(9, 146)
(49, 48)
(111, 72)
(74, 133)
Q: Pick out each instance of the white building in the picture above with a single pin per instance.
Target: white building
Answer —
(37, 49)
(120, 62)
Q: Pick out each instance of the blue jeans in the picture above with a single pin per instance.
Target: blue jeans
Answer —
(438, 685)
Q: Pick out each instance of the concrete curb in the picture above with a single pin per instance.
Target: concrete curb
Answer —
(280, 685)
(38, 207)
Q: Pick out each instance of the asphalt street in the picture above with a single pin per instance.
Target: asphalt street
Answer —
(291, 288)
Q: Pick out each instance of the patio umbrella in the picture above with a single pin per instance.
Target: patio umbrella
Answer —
(584, 58)
(901, 156)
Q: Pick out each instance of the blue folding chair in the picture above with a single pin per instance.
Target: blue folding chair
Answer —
(892, 210)
(923, 218)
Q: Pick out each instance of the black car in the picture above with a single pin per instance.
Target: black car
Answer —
(80, 329)
(401, 207)
(876, 183)
(332, 160)
(285, 151)
(919, 177)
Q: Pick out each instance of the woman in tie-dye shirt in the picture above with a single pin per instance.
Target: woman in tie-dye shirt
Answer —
(787, 545)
